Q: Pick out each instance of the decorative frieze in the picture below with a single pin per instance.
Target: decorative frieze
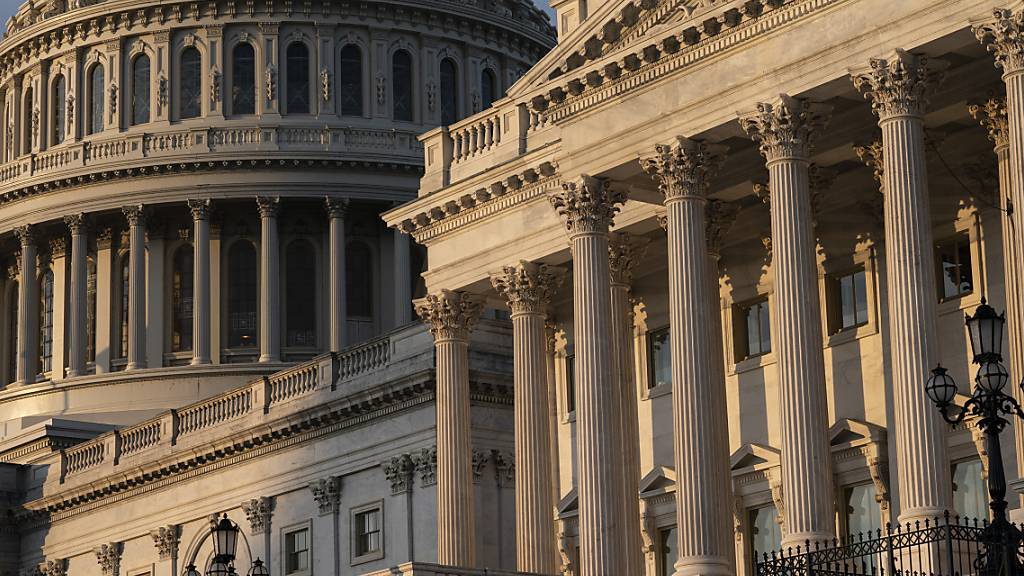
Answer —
(327, 494)
(108, 556)
(399, 472)
(785, 128)
(166, 539)
(527, 286)
(259, 512)
(899, 85)
(449, 314)
(588, 205)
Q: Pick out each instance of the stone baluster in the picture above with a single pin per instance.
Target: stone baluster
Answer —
(450, 316)
(28, 307)
(270, 298)
(898, 90)
(528, 287)
(682, 170)
(588, 206)
(337, 210)
(77, 329)
(201, 281)
(784, 131)
(136, 217)
(624, 252)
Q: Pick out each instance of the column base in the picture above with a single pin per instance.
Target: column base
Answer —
(703, 567)
(805, 539)
(199, 362)
(427, 569)
(134, 366)
(921, 514)
(267, 359)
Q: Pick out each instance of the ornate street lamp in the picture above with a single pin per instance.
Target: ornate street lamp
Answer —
(989, 403)
(225, 540)
(259, 569)
(190, 570)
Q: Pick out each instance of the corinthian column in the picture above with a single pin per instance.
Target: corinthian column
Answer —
(992, 116)
(77, 330)
(270, 298)
(201, 281)
(588, 206)
(897, 88)
(784, 131)
(451, 316)
(337, 208)
(27, 363)
(528, 288)
(682, 171)
(136, 286)
(624, 251)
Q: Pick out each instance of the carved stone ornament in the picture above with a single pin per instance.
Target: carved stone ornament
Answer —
(136, 215)
(325, 84)
(382, 90)
(399, 471)
(76, 223)
(327, 494)
(108, 556)
(214, 87)
(624, 253)
(268, 206)
(166, 539)
(431, 95)
(991, 114)
(200, 208)
(684, 167)
(720, 217)
(425, 462)
(527, 286)
(270, 80)
(778, 496)
(588, 205)
(480, 459)
(504, 467)
(55, 567)
(872, 155)
(785, 128)
(899, 85)
(113, 101)
(161, 93)
(70, 112)
(1003, 36)
(26, 235)
(336, 207)
(450, 314)
(259, 512)
(58, 247)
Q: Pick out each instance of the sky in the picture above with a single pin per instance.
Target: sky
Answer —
(9, 7)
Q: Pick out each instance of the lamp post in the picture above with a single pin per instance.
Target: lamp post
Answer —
(989, 403)
(224, 533)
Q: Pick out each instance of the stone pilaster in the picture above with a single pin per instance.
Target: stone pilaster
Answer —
(108, 556)
(28, 307)
(528, 288)
(136, 217)
(451, 315)
(683, 170)
(77, 329)
(784, 131)
(588, 206)
(201, 281)
(327, 494)
(270, 297)
(898, 88)
(337, 210)
(624, 253)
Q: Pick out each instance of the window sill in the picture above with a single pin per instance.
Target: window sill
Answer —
(958, 304)
(378, 555)
(851, 334)
(659, 391)
(753, 363)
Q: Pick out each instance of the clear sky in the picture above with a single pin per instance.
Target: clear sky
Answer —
(9, 7)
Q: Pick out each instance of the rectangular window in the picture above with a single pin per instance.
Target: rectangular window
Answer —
(367, 533)
(570, 383)
(659, 358)
(752, 330)
(863, 515)
(296, 551)
(667, 551)
(765, 533)
(848, 300)
(969, 491)
(955, 275)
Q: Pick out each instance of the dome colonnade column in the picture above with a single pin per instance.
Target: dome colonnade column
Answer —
(337, 211)
(136, 217)
(27, 363)
(201, 317)
(270, 298)
(77, 331)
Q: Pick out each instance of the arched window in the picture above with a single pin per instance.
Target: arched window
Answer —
(125, 286)
(90, 310)
(58, 122)
(140, 89)
(12, 317)
(401, 85)
(351, 81)
(488, 88)
(449, 92)
(243, 79)
(243, 295)
(298, 78)
(181, 299)
(300, 290)
(27, 123)
(97, 91)
(191, 83)
(46, 322)
(358, 280)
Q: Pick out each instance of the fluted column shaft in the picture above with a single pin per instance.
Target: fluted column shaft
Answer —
(270, 297)
(336, 212)
(77, 329)
(897, 88)
(451, 316)
(784, 131)
(136, 287)
(27, 363)
(201, 317)
(588, 207)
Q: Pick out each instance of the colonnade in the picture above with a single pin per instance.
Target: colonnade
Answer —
(784, 130)
(139, 290)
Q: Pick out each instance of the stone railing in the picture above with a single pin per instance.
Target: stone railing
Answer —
(139, 437)
(83, 457)
(294, 382)
(364, 358)
(215, 411)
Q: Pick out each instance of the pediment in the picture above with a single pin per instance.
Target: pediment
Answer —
(850, 432)
(659, 480)
(756, 456)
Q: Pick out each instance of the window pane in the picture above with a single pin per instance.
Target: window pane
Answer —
(860, 292)
(570, 383)
(242, 295)
(765, 534)
(368, 532)
(668, 543)
(243, 80)
(182, 299)
(298, 78)
(863, 515)
(753, 327)
(97, 91)
(488, 88)
(191, 83)
(965, 271)
(969, 492)
(401, 78)
(59, 112)
(351, 81)
(660, 358)
(449, 92)
(301, 293)
(846, 301)
(140, 90)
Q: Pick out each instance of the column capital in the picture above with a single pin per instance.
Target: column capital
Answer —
(899, 85)
(991, 114)
(451, 314)
(327, 494)
(624, 253)
(200, 208)
(720, 217)
(336, 207)
(76, 223)
(785, 128)
(684, 168)
(1003, 36)
(108, 556)
(165, 539)
(58, 247)
(527, 286)
(104, 238)
(268, 205)
(587, 205)
(26, 234)
(872, 155)
(259, 512)
(136, 215)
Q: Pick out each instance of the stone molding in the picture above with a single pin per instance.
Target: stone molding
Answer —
(166, 540)
(108, 556)
(327, 494)
(259, 512)
(899, 85)
(991, 114)
(449, 314)
(527, 286)
(587, 205)
(785, 128)
(684, 168)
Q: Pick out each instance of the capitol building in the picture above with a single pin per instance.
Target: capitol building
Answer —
(438, 288)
